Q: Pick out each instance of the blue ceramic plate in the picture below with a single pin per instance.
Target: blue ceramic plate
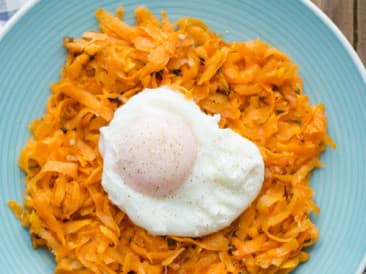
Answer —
(31, 55)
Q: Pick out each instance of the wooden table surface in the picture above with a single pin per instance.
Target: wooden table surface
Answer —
(350, 17)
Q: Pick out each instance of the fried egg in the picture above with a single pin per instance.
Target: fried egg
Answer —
(172, 170)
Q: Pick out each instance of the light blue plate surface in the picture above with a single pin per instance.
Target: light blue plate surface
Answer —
(31, 55)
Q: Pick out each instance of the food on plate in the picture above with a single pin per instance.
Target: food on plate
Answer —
(252, 89)
(172, 170)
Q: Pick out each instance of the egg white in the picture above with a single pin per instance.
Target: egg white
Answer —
(226, 178)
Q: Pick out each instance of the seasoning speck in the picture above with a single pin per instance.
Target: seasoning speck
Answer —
(231, 249)
(202, 61)
(176, 72)
(170, 242)
(115, 100)
(159, 75)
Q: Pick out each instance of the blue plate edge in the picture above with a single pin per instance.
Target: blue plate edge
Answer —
(356, 60)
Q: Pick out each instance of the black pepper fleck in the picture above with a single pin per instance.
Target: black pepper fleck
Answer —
(171, 242)
(202, 61)
(226, 91)
(159, 75)
(286, 193)
(275, 88)
(230, 249)
(298, 122)
(176, 72)
(115, 100)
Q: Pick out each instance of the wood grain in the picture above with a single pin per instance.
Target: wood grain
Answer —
(350, 17)
(342, 14)
(361, 30)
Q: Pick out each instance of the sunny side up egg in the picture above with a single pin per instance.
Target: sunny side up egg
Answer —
(172, 170)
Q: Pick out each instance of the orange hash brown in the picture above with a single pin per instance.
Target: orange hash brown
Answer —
(258, 93)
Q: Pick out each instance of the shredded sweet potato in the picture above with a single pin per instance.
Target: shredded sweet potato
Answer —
(258, 93)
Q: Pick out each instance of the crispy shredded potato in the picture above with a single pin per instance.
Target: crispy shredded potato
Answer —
(258, 93)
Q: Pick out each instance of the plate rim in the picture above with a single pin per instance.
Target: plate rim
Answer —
(340, 36)
(16, 17)
(356, 60)
(307, 4)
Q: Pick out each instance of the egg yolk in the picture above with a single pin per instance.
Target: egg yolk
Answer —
(157, 153)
